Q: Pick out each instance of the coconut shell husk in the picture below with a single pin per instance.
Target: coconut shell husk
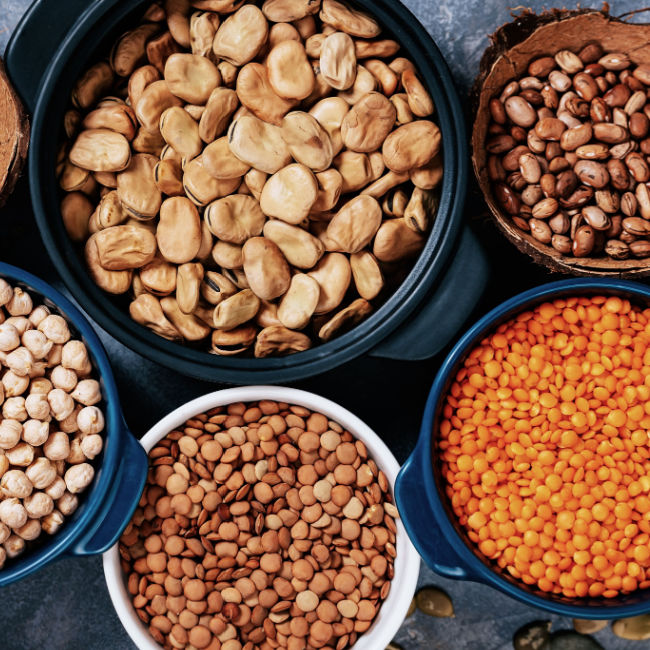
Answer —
(513, 46)
(14, 136)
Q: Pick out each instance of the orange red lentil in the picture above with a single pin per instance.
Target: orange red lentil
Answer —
(544, 442)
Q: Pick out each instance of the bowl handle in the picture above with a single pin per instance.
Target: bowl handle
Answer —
(418, 518)
(120, 502)
(47, 22)
(446, 309)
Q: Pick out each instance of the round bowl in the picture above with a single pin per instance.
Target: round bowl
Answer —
(120, 470)
(407, 562)
(514, 46)
(420, 488)
(88, 30)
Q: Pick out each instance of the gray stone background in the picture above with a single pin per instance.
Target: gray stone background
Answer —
(66, 606)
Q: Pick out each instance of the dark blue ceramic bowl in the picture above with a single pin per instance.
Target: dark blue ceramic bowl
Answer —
(444, 284)
(420, 492)
(120, 471)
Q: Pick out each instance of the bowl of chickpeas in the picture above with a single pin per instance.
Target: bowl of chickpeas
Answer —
(531, 473)
(70, 471)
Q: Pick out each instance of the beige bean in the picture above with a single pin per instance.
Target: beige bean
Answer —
(154, 100)
(290, 73)
(346, 19)
(266, 268)
(201, 187)
(188, 286)
(179, 230)
(203, 27)
(300, 248)
(158, 277)
(386, 183)
(181, 132)
(136, 188)
(190, 327)
(216, 287)
(76, 209)
(290, 193)
(221, 104)
(146, 310)
(299, 302)
(364, 83)
(139, 80)
(329, 113)
(234, 341)
(227, 255)
(116, 117)
(333, 275)
(259, 144)
(220, 162)
(428, 176)
(396, 241)
(286, 11)
(92, 85)
(168, 177)
(419, 99)
(420, 210)
(130, 49)
(241, 35)
(308, 142)
(367, 125)
(124, 247)
(256, 93)
(354, 225)
(330, 186)
(338, 60)
(236, 310)
(280, 340)
(115, 282)
(235, 218)
(345, 319)
(520, 111)
(368, 278)
(100, 150)
(411, 145)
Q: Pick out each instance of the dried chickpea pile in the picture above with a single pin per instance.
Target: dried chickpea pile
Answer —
(544, 447)
(50, 428)
(262, 525)
(568, 153)
(253, 177)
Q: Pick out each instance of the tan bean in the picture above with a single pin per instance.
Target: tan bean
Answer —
(367, 125)
(227, 255)
(256, 93)
(220, 106)
(76, 209)
(190, 327)
(348, 20)
(115, 282)
(241, 35)
(308, 142)
(266, 268)
(338, 60)
(280, 340)
(179, 230)
(396, 241)
(330, 186)
(234, 341)
(259, 144)
(168, 177)
(286, 11)
(188, 286)
(354, 225)
(201, 187)
(158, 277)
(290, 193)
(124, 247)
(300, 248)
(299, 302)
(235, 218)
(368, 278)
(117, 117)
(100, 150)
(520, 111)
(136, 188)
(419, 99)
(364, 83)
(154, 100)
(220, 162)
(330, 113)
(236, 310)
(411, 145)
(333, 275)
(181, 132)
(345, 319)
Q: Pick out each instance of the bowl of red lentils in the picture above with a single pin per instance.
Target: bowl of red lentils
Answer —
(532, 470)
(267, 521)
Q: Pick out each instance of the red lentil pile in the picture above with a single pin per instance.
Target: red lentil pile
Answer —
(544, 444)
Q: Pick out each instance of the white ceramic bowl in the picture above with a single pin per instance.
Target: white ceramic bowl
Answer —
(407, 563)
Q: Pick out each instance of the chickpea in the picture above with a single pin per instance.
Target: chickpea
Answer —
(21, 455)
(38, 505)
(52, 522)
(4, 463)
(63, 378)
(37, 316)
(12, 513)
(37, 343)
(6, 292)
(68, 503)
(13, 384)
(55, 328)
(3, 556)
(75, 356)
(38, 407)
(40, 386)
(54, 355)
(14, 409)
(21, 361)
(31, 530)
(61, 404)
(57, 446)
(15, 483)
(90, 420)
(10, 432)
(14, 546)
(87, 392)
(20, 323)
(9, 337)
(69, 425)
(76, 455)
(4, 532)
(92, 445)
(56, 489)
(20, 303)
(78, 478)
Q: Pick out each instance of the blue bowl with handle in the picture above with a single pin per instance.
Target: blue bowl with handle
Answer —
(108, 502)
(444, 284)
(420, 489)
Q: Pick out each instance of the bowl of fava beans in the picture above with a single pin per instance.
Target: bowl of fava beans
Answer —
(532, 469)
(268, 513)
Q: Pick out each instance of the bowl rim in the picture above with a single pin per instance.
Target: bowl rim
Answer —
(480, 569)
(407, 562)
(427, 268)
(75, 525)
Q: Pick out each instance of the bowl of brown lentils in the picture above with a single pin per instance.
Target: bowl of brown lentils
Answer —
(268, 513)
(560, 140)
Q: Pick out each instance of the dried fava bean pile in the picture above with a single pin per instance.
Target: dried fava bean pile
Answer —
(568, 151)
(262, 525)
(545, 449)
(253, 177)
(50, 428)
